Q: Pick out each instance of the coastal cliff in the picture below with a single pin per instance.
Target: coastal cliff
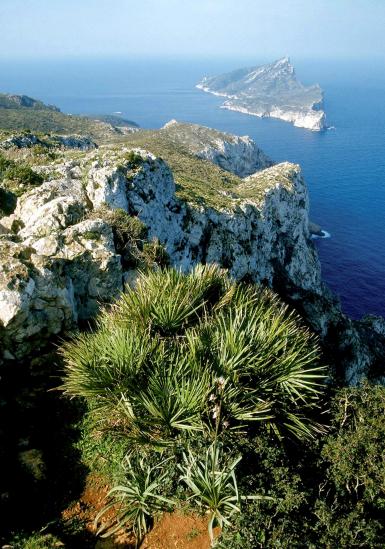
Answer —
(60, 258)
(60, 263)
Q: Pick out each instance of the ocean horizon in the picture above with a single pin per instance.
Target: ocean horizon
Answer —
(344, 167)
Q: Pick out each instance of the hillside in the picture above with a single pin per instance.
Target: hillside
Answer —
(19, 113)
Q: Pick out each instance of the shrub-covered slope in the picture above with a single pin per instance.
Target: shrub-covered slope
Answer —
(19, 112)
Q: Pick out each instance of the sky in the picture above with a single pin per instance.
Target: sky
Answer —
(192, 28)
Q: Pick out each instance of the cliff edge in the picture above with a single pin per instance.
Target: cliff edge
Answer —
(60, 257)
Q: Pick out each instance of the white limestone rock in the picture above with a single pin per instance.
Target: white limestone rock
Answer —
(236, 154)
(50, 283)
(72, 264)
(64, 264)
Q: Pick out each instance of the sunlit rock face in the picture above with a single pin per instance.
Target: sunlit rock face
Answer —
(239, 155)
(64, 264)
(59, 260)
(271, 91)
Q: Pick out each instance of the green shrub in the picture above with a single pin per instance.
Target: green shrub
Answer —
(134, 158)
(182, 352)
(21, 178)
(130, 236)
(154, 254)
(331, 495)
(185, 362)
(287, 519)
(351, 507)
(18, 178)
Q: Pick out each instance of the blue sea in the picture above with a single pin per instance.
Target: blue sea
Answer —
(344, 167)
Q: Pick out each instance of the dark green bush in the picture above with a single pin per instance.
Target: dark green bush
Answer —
(7, 202)
(283, 472)
(351, 507)
(22, 178)
(331, 495)
(134, 159)
(18, 178)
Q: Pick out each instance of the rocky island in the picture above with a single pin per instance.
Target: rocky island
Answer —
(269, 91)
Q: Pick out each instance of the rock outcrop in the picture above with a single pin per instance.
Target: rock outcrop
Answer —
(59, 260)
(57, 264)
(236, 154)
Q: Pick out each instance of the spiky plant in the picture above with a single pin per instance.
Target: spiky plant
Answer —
(135, 502)
(166, 302)
(153, 363)
(267, 360)
(213, 485)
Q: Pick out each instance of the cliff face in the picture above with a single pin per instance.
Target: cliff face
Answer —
(310, 119)
(236, 154)
(59, 260)
(57, 264)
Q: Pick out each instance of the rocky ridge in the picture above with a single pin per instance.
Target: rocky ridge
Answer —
(236, 154)
(57, 264)
(13, 101)
(59, 260)
(28, 140)
(18, 112)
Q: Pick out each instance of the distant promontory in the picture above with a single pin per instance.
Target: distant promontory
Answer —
(270, 91)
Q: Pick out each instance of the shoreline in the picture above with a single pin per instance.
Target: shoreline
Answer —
(313, 120)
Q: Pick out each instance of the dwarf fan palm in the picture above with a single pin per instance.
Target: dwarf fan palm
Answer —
(154, 359)
(167, 301)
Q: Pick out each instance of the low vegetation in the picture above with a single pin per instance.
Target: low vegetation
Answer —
(198, 181)
(48, 121)
(207, 396)
(15, 179)
(182, 368)
(131, 239)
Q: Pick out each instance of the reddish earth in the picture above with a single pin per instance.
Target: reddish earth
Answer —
(178, 531)
(85, 510)
(172, 531)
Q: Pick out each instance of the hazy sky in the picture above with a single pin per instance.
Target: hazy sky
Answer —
(260, 28)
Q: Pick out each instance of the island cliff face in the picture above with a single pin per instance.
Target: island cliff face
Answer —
(270, 91)
(59, 259)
